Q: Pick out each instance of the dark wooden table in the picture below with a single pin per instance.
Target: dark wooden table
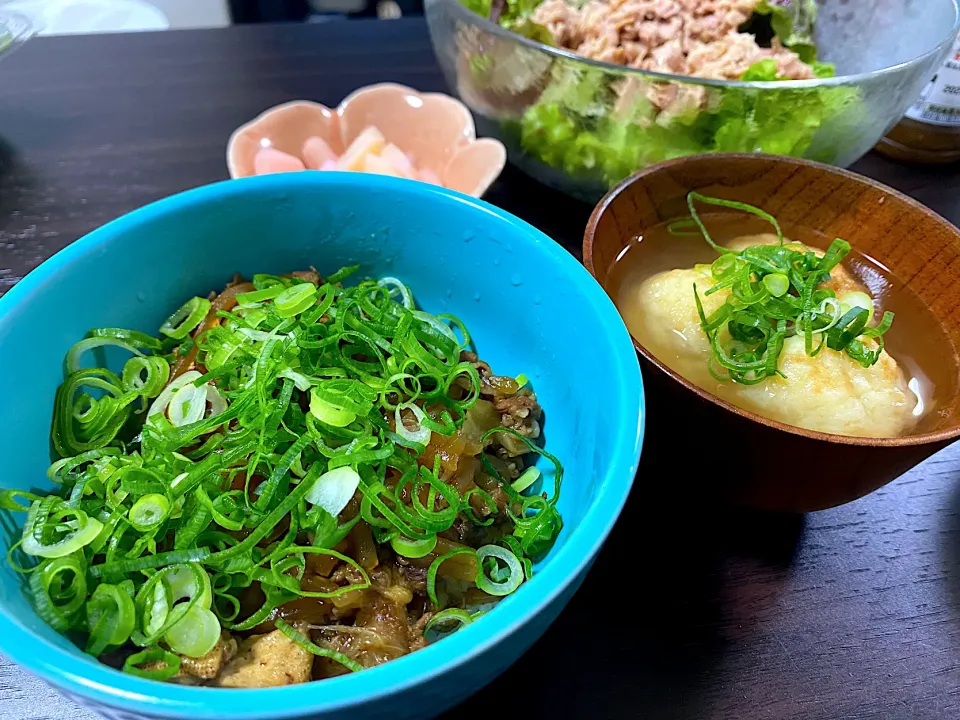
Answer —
(693, 610)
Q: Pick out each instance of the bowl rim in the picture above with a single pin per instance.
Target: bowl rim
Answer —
(589, 234)
(560, 53)
(90, 680)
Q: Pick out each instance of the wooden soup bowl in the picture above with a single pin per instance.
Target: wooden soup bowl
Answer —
(752, 460)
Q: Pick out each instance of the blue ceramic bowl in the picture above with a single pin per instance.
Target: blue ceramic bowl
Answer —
(530, 306)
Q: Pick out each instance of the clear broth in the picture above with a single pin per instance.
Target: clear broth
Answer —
(916, 341)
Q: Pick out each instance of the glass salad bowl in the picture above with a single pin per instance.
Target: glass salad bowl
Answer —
(581, 125)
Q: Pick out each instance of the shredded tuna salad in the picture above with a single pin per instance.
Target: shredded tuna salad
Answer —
(701, 38)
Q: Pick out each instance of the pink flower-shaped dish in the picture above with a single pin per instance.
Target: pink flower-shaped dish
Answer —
(435, 131)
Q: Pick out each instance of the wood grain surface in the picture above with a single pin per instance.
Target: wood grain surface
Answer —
(694, 610)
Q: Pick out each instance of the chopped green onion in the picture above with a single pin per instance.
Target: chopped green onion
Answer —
(522, 379)
(334, 489)
(327, 413)
(882, 328)
(186, 319)
(421, 435)
(528, 478)
(413, 548)
(342, 274)
(149, 511)
(111, 617)
(146, 375)
(856, 299)
(153, 603)
(295, 299)
(59, 589)
(194, 632)
(188, 582)
(510, 582)
(848, 328)
(74, 354)
(256, 296)
(139, 340)
(83, 531)
(187, 405)
(85, 420)
(694, 197)
(724, 267)
(775, 291)
(288, 630)
(301, 381)
(776, 284)
(451, 616)
(164, 398)
(396, 287)
(170, 664)
(435, 566)
(9, 500)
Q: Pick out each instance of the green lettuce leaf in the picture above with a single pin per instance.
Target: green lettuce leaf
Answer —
(514, 15)
(534, 31)
(792, 21)
(480, 7)
(573, 128)
(517, 10)
(511, 14)
(766, 70)
(823, 70)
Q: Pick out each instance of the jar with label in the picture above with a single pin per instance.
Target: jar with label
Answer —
(930, 130)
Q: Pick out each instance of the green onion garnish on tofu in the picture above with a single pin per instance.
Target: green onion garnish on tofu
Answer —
(775, 292)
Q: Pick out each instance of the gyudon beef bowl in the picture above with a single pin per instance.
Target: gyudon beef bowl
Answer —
(585, 93)
(303, 446)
